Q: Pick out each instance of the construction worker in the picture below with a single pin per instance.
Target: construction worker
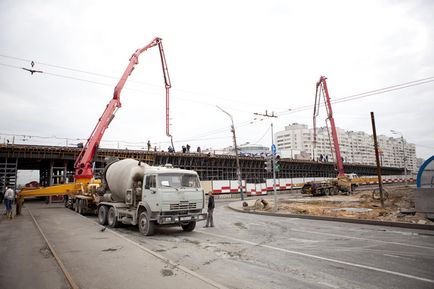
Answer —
(9, 200)
(211, 206)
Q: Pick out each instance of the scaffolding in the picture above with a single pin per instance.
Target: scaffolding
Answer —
(8, 173)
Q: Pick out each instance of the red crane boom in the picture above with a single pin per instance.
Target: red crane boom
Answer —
(321, 88)
(83, 164)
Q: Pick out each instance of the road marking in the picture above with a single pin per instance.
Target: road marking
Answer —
(321, 258)
(364, 239)
(358, 238)
(401, 257)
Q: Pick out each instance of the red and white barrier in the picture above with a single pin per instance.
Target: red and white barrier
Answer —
(231, 186)
(226, 186)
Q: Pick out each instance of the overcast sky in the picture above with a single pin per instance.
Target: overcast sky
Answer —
(244, 56)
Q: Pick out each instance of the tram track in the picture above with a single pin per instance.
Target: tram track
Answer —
(72, 284)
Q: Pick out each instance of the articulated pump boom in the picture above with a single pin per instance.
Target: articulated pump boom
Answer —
(343, 183)
(83, 164)
(321, 89)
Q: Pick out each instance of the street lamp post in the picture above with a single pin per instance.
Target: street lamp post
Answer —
(240, 181)
(403, 153)
(273, 167)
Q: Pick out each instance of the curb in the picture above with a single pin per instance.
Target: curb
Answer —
(333, 219)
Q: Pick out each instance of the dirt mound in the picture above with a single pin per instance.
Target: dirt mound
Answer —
(398, 207)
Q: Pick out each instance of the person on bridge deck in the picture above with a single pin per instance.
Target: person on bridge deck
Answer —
(211, 206)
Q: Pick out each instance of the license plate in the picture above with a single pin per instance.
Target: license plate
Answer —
(185, 218)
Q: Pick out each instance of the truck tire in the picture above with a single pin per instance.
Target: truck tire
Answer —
(335, 191)
(189, 227)
(80, 207)
(69, 204)
(112, 219)
(102, 215)
(146, 227)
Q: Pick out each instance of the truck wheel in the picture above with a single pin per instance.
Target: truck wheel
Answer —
(146, 227)
(69, 204)
(334, 191)
(189, 227)
(102, 215)
(80, 207)
(112, 220)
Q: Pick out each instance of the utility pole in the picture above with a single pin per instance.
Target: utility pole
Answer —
(377, 157)
(240, 180)
(273, 158)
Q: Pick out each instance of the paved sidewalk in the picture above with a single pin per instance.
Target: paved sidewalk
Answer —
(25, 260)
(94, 258)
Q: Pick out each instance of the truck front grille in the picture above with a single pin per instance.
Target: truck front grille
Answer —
(182, 206)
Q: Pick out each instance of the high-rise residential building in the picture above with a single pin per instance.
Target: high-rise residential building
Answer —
(296, 141)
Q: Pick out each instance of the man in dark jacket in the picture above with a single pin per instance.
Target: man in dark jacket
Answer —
(211, 206)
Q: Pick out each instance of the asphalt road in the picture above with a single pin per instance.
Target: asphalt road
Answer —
(253, 251)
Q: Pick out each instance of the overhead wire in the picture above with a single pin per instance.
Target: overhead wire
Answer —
(366, 94)
(130, 81)
(268, 129)
(241, 124)
(302, 108)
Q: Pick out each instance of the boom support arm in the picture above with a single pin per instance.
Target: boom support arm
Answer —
(83, 164)
(321, 88)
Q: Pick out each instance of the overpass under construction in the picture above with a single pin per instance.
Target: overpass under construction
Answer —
(56, 164)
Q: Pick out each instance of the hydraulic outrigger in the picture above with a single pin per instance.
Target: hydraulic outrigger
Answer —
(82, 187)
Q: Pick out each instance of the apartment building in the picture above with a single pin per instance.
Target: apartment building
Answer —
(296, 141)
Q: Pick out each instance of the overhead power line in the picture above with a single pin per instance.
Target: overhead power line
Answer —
(366, 94)
(232, 99)
(240, 124)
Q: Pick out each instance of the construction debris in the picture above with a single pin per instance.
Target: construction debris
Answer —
(399, 207)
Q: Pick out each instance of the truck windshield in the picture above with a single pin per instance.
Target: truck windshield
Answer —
(178, 181)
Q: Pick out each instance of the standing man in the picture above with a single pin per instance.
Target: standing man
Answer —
(211, 206)
(9, 200)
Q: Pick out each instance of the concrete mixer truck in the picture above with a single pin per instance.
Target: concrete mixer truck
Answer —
(135, 193)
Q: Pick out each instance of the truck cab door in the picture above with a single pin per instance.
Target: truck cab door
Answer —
(150, 192)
